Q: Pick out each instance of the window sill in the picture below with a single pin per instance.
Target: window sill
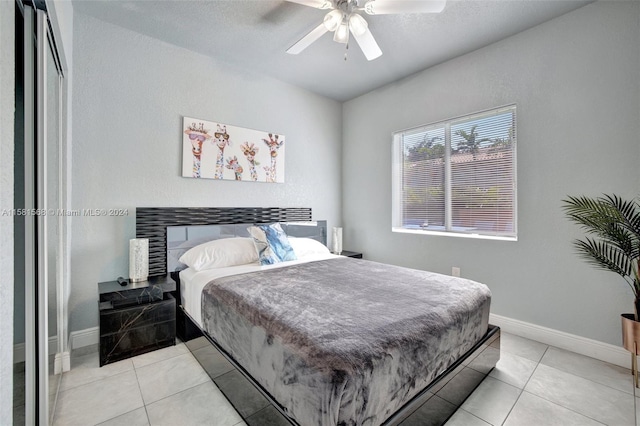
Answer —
(453, 234)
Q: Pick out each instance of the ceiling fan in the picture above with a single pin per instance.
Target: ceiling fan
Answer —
(344, 17)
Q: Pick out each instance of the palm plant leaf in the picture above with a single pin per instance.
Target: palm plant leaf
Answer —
(629, 212)
(604, 256)
(615, 226)
(610, 218)
(601, 254)
(593, 215)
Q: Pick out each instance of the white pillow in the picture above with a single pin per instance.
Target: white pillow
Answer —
(220, 253)
(307, 247)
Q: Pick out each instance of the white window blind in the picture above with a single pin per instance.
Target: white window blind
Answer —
(457, 176)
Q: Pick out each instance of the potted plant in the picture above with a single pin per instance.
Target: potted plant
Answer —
(614, 244)
(614, 225)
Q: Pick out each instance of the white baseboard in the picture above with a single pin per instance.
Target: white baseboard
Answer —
(86, 337)
(62, 362)
(592, 348)
(19, 351)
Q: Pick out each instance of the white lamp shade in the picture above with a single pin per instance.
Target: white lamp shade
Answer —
(337, 240)
(138, 259)
(342, 33)
(333, 19)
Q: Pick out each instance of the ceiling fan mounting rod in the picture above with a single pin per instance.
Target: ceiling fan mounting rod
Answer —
(347, 6)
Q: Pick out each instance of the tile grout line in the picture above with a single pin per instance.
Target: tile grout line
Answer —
(93, 381)
(589, 380)
(548, 400)
(134, 369)
(524, 386)
(514, 404)
(566, 408)
(52, 410)
(96, 379)
(471, 414)
(585, 378)
(144, 404)
(565, 371)
(108, 420)
(175, 393)
(159, 360)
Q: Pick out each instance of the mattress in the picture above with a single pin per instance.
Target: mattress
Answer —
(342, 341)
(192, 282)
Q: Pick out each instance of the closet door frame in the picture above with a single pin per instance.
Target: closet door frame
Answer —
(39, 43)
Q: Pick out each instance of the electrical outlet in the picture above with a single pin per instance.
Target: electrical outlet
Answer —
(455, 271)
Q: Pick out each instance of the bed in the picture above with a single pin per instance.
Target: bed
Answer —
(330, 340)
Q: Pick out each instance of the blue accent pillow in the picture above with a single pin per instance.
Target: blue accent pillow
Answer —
(271, 243)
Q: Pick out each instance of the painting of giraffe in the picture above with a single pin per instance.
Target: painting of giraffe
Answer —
(250, 150)
(221, 141)
(208, 152)
(232, 163)
(274, 146)
(197, 135)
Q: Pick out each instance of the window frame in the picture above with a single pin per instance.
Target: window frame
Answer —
(398, 162)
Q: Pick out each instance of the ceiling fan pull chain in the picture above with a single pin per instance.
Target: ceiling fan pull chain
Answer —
(346, 51)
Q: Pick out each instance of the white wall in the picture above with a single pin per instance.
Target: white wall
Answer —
(7, 75)
(129, 96)
(576, 83)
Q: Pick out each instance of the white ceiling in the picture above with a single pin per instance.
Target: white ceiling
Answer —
(255, 34)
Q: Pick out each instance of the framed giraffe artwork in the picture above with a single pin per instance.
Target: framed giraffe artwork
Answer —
(213, 150)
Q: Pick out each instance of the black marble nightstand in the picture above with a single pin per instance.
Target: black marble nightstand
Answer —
(354, 254)
(136, 318)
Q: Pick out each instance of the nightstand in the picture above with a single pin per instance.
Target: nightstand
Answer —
(136, 318)
(354, 254)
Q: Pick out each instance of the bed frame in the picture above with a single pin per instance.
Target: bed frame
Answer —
(171, 229)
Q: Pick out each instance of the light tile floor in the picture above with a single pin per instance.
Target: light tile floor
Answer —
(533, 384)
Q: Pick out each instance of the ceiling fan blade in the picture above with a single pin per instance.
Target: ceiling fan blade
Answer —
(318, 4)
(368, 45)
(390, 7)
(307, 40)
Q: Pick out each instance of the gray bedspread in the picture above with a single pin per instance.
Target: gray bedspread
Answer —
(344, 341)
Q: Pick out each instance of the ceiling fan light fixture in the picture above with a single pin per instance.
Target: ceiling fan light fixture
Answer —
(345, 20)
(357, 24)
(333, 19)
(342, 33)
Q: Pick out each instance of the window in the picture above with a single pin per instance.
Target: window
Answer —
(457, 177)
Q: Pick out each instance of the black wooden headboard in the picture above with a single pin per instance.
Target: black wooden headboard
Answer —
(152, 222)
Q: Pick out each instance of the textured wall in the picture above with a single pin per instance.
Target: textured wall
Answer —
(7, 73)
(576, 83)
(130, 93)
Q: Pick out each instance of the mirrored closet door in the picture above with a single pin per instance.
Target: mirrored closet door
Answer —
(39, 231)
(51, 197)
